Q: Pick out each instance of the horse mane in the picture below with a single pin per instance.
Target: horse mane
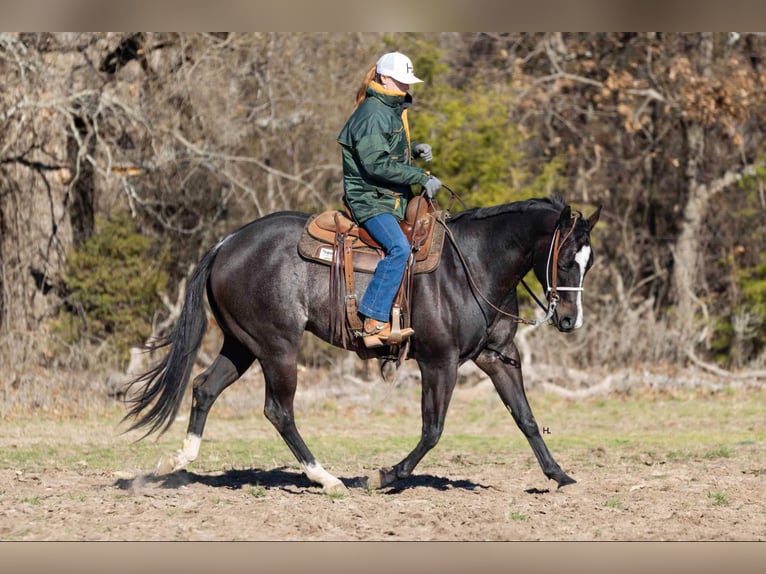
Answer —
(546, 203)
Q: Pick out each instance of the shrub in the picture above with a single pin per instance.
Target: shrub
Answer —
(112, 283)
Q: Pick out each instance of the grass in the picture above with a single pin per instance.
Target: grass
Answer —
(256, 491)
(335, 495)
(684, 426)
(519, 517)
(614, 503)
(718, 498)
(722, 452)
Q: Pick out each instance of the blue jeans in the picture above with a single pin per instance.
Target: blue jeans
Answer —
(379, 296)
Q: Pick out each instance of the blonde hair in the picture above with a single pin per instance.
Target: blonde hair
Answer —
(369, 76)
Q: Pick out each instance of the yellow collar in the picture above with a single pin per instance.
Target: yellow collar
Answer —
(380, 89)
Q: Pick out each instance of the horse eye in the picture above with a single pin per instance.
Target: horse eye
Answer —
(567, 260)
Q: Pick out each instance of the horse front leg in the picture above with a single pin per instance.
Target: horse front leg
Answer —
(437, 384)
(505, 373)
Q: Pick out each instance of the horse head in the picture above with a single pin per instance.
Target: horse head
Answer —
(561, 269)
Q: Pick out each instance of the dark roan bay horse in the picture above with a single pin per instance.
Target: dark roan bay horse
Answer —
(264, 295)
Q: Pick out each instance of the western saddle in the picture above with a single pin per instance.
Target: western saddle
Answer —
(333, 238)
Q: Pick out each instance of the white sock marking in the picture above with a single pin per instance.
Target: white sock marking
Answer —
(316, 473)
(189, 450)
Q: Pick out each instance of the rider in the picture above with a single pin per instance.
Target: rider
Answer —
(377, 178)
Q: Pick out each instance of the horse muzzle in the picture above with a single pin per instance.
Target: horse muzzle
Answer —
(566, 317)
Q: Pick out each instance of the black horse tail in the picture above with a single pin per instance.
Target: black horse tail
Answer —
(165, 384)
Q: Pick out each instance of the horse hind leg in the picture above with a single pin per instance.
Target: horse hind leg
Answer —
(228, 367)
(281, 376)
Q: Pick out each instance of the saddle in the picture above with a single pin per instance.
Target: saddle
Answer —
(321, 233)
(333, 238)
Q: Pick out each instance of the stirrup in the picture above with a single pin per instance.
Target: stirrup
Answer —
(398, 335)
(385, 334)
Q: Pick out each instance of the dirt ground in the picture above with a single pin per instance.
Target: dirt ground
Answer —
(475, 503)
(627, 492)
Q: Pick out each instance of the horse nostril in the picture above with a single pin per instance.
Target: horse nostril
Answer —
(567, 323)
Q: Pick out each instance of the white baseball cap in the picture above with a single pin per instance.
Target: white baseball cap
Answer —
(398, 66)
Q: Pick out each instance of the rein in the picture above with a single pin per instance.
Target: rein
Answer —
(551, 271)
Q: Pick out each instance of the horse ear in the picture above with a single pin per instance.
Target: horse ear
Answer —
(566, 215)
(593, 219)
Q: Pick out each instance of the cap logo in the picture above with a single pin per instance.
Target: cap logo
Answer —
(409, 68)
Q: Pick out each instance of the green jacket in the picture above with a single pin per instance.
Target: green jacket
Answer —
(377, 156)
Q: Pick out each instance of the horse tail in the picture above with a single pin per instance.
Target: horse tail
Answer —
(165, 384)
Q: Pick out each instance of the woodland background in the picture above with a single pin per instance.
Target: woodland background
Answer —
(125, 156)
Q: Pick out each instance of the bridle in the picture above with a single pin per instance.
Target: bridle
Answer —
(552, 287)
(551, 272)
(551, 267)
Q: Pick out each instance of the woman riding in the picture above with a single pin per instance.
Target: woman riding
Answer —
(377, 178)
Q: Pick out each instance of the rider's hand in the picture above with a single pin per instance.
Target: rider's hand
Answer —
(431, 187)
(423, 150)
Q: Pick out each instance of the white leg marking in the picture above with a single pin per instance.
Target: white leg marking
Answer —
(582, 258)
(189, 451)
(317, 474)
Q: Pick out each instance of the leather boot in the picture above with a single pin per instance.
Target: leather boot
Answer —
(379, 333)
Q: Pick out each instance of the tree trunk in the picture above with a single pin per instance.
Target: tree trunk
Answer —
(686, 250)
(82, 208)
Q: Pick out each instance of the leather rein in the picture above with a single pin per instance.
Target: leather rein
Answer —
(551, 271)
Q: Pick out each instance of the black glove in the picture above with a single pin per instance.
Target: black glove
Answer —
(431, 187)
(423, 150)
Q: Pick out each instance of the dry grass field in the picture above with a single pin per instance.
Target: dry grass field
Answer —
(675, 461)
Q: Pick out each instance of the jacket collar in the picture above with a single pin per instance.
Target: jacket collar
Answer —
(391, 98)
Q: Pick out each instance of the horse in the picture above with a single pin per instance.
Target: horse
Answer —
(263, 294)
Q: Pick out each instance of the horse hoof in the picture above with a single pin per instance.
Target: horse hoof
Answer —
(166, 465)
(380, 479)
(336, 489)
(374, 481)
(565, 480)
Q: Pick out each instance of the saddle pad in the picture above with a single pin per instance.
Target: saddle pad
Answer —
(365, 257)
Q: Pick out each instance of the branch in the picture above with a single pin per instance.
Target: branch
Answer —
(566, 76)
(723, 372)
(602, 388)
(650, 93)
(58, 104)
(729, 178)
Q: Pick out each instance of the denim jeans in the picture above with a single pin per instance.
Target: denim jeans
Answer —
(379, 296)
